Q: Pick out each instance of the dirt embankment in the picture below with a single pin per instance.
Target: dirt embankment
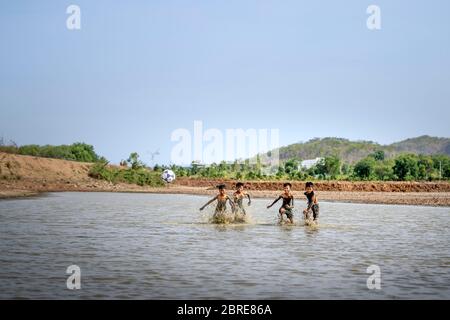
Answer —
(342, 186)
(26, 176)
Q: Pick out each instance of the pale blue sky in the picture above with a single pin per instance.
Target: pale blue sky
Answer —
(137, 70)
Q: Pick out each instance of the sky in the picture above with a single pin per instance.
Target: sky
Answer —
(138, 70)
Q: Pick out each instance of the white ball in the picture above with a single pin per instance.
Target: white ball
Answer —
(168, 176)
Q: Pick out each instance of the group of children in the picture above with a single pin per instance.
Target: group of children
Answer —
(287, 206)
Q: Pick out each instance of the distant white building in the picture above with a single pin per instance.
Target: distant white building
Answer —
(306, 164)
(198, 164)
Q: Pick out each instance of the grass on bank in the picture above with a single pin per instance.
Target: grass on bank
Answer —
(140, 176)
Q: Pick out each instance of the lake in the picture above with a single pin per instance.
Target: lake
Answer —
(159, 246)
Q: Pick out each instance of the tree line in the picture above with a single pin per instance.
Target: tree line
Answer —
(78, 151)
(376, 166)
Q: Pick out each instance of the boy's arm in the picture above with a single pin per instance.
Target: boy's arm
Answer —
(309, 206)
(213, 199)
(276, 200)
(249, 199)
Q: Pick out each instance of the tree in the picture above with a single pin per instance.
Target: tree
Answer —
(291, 167)
(329, 166)
(364, 168)
(378, 155)
(383, 171)
(134, 161)
(346, 168)
(81, 152)
(425, 167)
(406, 167)
(441, 165)
(280, 172)
(258, 166)
(236, 166)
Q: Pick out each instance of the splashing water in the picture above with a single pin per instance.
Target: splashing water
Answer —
(228, 217)
(209, 216)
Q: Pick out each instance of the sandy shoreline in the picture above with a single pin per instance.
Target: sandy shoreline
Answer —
(8, 194)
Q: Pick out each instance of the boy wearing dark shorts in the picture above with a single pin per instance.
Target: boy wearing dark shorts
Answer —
(238, 198)
(312, 204)
(288, 203)
(222, 199)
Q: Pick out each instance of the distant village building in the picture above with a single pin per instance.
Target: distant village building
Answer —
(197, 164)
(306, 164)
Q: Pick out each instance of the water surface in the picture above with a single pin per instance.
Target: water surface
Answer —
(150, 246)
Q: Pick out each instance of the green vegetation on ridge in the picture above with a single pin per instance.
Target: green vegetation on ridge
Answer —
(341, 160)
(376, 166)
(79, 151)
(353, 151)
(135, 172)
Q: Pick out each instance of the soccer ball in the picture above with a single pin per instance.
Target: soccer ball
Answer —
(168, 176)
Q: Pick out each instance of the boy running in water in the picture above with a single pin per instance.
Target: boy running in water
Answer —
(288, 203)
(222, 199)
(238, 198)
(313, 204)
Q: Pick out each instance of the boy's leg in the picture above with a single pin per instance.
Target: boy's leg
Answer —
(290, 215)
(218, 212)
(281, 211)
(306, 215)
(315, 210)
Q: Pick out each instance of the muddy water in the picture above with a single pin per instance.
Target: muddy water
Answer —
(148, 246)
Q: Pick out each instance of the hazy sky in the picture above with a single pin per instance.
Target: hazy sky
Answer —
(137, 70)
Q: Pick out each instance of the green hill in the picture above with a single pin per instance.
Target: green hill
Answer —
(353, 151)
(424, 145)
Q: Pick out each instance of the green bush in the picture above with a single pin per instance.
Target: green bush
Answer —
(406, 167)
(140, 176)
(329, 167)
(441, 163)
(378, 155)
(383, 171)
(81, 152)
(8, 149)
(364, 169)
